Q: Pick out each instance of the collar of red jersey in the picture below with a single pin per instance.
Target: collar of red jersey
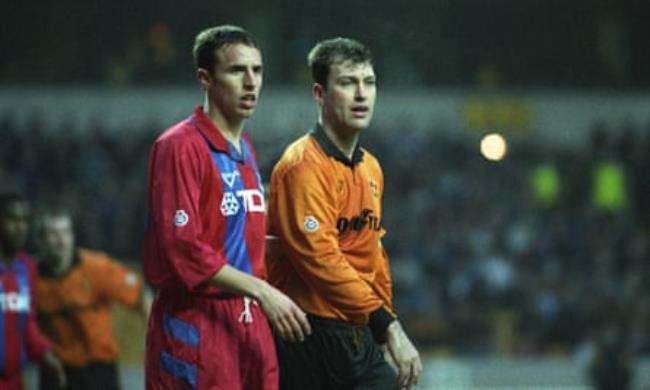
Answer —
(214, 137)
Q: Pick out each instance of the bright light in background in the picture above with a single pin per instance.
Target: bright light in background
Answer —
(494, 146)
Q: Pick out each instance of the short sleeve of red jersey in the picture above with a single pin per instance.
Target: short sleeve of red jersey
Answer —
(175, 185)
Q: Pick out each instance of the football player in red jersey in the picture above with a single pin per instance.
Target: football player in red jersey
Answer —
(20, 338)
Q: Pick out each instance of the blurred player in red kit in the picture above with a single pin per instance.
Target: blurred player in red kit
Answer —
(20, 338)
(204, 244)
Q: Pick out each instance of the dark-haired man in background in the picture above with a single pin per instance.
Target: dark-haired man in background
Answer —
(20, 338)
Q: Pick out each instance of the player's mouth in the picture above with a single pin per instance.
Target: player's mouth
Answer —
(360, 111)
(248, 101)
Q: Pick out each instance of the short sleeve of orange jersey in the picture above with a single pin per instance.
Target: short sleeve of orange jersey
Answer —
(114, 281)
(303, 214)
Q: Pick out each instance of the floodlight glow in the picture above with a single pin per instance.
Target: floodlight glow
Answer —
(494, 147)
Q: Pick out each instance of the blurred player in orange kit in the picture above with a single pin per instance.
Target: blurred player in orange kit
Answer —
(20, 338)
(325, 232)
(75, 291)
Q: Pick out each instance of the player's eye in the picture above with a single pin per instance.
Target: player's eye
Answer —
(345, 82)
(237, 69)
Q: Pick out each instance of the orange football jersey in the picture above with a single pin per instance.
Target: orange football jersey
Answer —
(324, 223)
(74, 309)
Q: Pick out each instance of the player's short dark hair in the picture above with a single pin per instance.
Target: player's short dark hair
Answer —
(208, 41)
(7, 198)
(335, 51)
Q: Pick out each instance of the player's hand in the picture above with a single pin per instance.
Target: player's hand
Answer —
(288, 320)
(405, 355)
(55, 369)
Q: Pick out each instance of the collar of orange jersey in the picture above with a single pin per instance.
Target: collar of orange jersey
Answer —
(332, 150)
(214, 137)
(45, 268)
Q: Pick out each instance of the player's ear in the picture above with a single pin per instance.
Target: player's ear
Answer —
(204, 78)
(318, 91)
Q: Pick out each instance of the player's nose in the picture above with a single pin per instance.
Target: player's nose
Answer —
(251, 80)
(360, 92)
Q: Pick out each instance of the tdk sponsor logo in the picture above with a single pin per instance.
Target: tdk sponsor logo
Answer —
(252, 200)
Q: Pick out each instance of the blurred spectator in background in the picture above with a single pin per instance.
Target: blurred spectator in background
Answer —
(75, 291)
(20, 338)
(611, 368)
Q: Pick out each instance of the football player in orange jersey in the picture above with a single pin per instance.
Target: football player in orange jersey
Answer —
(75, 290)
(325, 233)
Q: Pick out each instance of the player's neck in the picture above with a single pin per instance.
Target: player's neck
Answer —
(345, 141)
(62, 267)
(231, 130)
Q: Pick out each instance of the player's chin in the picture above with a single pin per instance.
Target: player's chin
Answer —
(358, 123)
(246, 113)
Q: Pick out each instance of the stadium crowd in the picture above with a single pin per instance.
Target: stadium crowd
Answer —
(545, 252)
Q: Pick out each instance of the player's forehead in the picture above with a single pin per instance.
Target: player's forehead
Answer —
(57, 222)
(238, 54)
(351, 69)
